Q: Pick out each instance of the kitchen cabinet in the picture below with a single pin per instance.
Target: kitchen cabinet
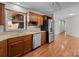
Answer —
(43, 37)
(15, 48)
(40, 20)
(18, 19)
(45, 17)
(2, 14)
(34, 18)
(3, 48)
(27, 43)
(15, 39)
(19, 45)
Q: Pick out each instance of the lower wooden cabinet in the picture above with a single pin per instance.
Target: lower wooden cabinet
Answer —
(27, 44)
(15, 49)
(19, 45)
(43, 37)
(3, 48)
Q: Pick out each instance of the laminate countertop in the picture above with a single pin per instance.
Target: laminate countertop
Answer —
(7, 35)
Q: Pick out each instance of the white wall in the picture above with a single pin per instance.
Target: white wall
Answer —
(56, 27)
(72, 26)
(62, 26)
(72, 23)
(1, 28)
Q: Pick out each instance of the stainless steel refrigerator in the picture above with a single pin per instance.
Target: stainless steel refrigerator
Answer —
(49, 27)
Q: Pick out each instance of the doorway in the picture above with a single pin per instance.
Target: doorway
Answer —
(63, 26)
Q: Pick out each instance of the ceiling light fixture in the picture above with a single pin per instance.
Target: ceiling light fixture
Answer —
(70, 14)
(18, 3)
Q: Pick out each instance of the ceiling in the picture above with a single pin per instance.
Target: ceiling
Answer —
(47, 7)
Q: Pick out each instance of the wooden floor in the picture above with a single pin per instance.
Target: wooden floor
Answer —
(63, 45)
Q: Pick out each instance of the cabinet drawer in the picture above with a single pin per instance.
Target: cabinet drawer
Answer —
(11, 40)
(27, 36)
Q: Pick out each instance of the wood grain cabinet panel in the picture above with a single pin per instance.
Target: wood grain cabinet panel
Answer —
(2, 14)
(15, 49)
(19, 45)
(43, 39)
(3, 48)
(34, 17)
(40, 20)
(27, 44)
(15, 39)
(31, 16)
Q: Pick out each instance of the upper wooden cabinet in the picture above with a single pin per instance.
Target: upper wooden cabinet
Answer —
(40, 20)
(2, 14)
(32, 17)
(35, 18)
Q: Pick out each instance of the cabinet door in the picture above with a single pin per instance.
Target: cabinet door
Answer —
(27, 44)
(43, 39)
(32, 17)
(16, 49)
(35, 17)
(2, 14)
(39, 22)
(3, 48)
(29, 16)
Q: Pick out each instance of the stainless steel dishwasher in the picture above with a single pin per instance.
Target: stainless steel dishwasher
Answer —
(36, 40)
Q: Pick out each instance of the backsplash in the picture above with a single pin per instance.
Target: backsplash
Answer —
(1, 28)
(33, 28)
